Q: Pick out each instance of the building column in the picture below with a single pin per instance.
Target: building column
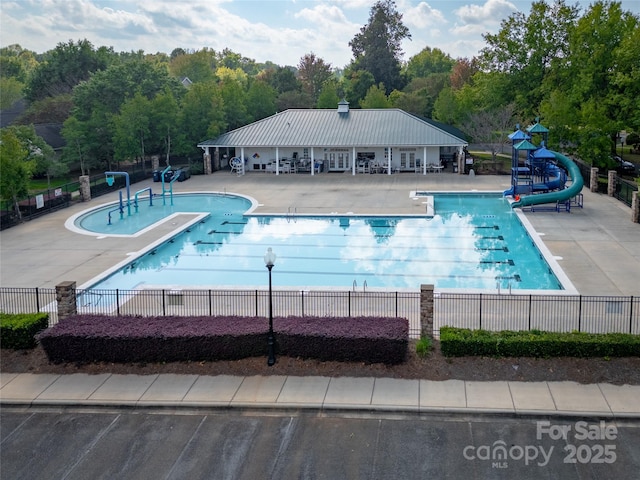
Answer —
(313, 162)
(426, 311)
(353, 161)
(66, 299)
(635, 207)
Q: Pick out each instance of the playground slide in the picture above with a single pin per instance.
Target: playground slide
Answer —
(559, 195)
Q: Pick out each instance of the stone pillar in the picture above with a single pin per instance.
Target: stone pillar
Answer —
(593, 182)
(85, 188)
(426, 311)
(216, 160)
(635, 207)
(66, 298)
(611, 187)
(207, 163)
(155, 162)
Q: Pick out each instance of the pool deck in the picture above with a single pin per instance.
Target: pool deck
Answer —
(598, 246)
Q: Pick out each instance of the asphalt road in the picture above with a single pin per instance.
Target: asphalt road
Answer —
(77, 444)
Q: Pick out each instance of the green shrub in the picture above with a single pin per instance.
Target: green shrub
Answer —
(18, 331)
(457, 342)
(423, 347)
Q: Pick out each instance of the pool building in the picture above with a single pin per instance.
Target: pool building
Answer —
(344, 140)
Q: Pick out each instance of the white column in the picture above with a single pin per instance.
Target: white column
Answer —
(353, 161)
(424, 160)
(277, 161)
(242, 159)
(313, 162)
(389, 161)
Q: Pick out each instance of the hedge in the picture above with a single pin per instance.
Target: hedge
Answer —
(18, 331)
(135, 339)
(458, 342)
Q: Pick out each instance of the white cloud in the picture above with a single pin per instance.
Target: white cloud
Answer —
(490, 13)
(424, 15)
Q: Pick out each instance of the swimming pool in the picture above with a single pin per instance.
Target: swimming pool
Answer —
(473, 241)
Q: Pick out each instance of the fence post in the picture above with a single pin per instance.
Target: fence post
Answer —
(66, 299)
(426, 311)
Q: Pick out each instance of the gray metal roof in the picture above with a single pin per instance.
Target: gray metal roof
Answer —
(328, 128)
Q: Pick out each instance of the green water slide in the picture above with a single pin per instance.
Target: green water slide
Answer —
(559, 195)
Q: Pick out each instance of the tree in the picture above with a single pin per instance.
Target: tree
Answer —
(132, 128)
(65, 67)
(491, 128)
(527, 49)
(99, 99)
(377, 47)
(198, 66)
(375, 98)
(462, 72)
(15, 169)
(201, 114)
(261, 100)
(328, 97)
(166, 135)
(40, 155)
(356, 85)
(429, 62)
(313, 72)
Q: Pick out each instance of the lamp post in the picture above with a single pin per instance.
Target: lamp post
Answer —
(269, 261)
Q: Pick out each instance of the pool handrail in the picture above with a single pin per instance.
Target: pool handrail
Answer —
(135, 198)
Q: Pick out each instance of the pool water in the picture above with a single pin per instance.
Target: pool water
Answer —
(474, 241)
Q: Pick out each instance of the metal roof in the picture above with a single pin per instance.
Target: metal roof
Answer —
(328, 128)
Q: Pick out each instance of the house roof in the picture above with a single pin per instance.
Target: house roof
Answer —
(329, 128)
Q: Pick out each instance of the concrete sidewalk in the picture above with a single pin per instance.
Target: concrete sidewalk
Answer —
(362, 394)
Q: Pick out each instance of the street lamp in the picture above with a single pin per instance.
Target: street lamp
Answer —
(269, 261)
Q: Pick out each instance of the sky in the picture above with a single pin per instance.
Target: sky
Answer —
(281, 31)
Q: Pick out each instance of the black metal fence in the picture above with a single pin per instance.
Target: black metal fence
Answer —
(556, 313)
(624, 190)
(46, 201)
(560, 313)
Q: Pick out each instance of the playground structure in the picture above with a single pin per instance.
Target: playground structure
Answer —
(110, 178)
(541, 176)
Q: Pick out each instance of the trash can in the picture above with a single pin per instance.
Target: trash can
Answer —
(455, 167)
(157, 175)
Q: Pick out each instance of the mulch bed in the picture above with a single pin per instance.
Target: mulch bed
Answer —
(433, 367)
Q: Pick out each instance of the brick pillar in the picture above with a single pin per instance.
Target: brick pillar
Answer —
(635, 207)
(611, 187)
(66, 298)
(593, 183)
(426, 311)
(85, 188)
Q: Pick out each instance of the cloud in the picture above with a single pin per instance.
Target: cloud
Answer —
(424, 15)
(490, 13)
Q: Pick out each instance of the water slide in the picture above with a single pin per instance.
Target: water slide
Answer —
(558, 195)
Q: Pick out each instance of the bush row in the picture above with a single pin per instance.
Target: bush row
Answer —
(458, 342)
(127, 339)
(18, 331)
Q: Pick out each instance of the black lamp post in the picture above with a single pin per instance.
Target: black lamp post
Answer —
(269, 261)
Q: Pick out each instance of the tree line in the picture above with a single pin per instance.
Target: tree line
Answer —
(578, 70)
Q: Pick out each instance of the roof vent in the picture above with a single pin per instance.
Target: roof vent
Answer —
(343, 106)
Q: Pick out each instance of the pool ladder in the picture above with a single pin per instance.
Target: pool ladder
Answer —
(291, 213)
(355, 285)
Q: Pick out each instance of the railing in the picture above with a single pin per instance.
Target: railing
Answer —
(46, 201)
(561, 313)
(624, 190)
